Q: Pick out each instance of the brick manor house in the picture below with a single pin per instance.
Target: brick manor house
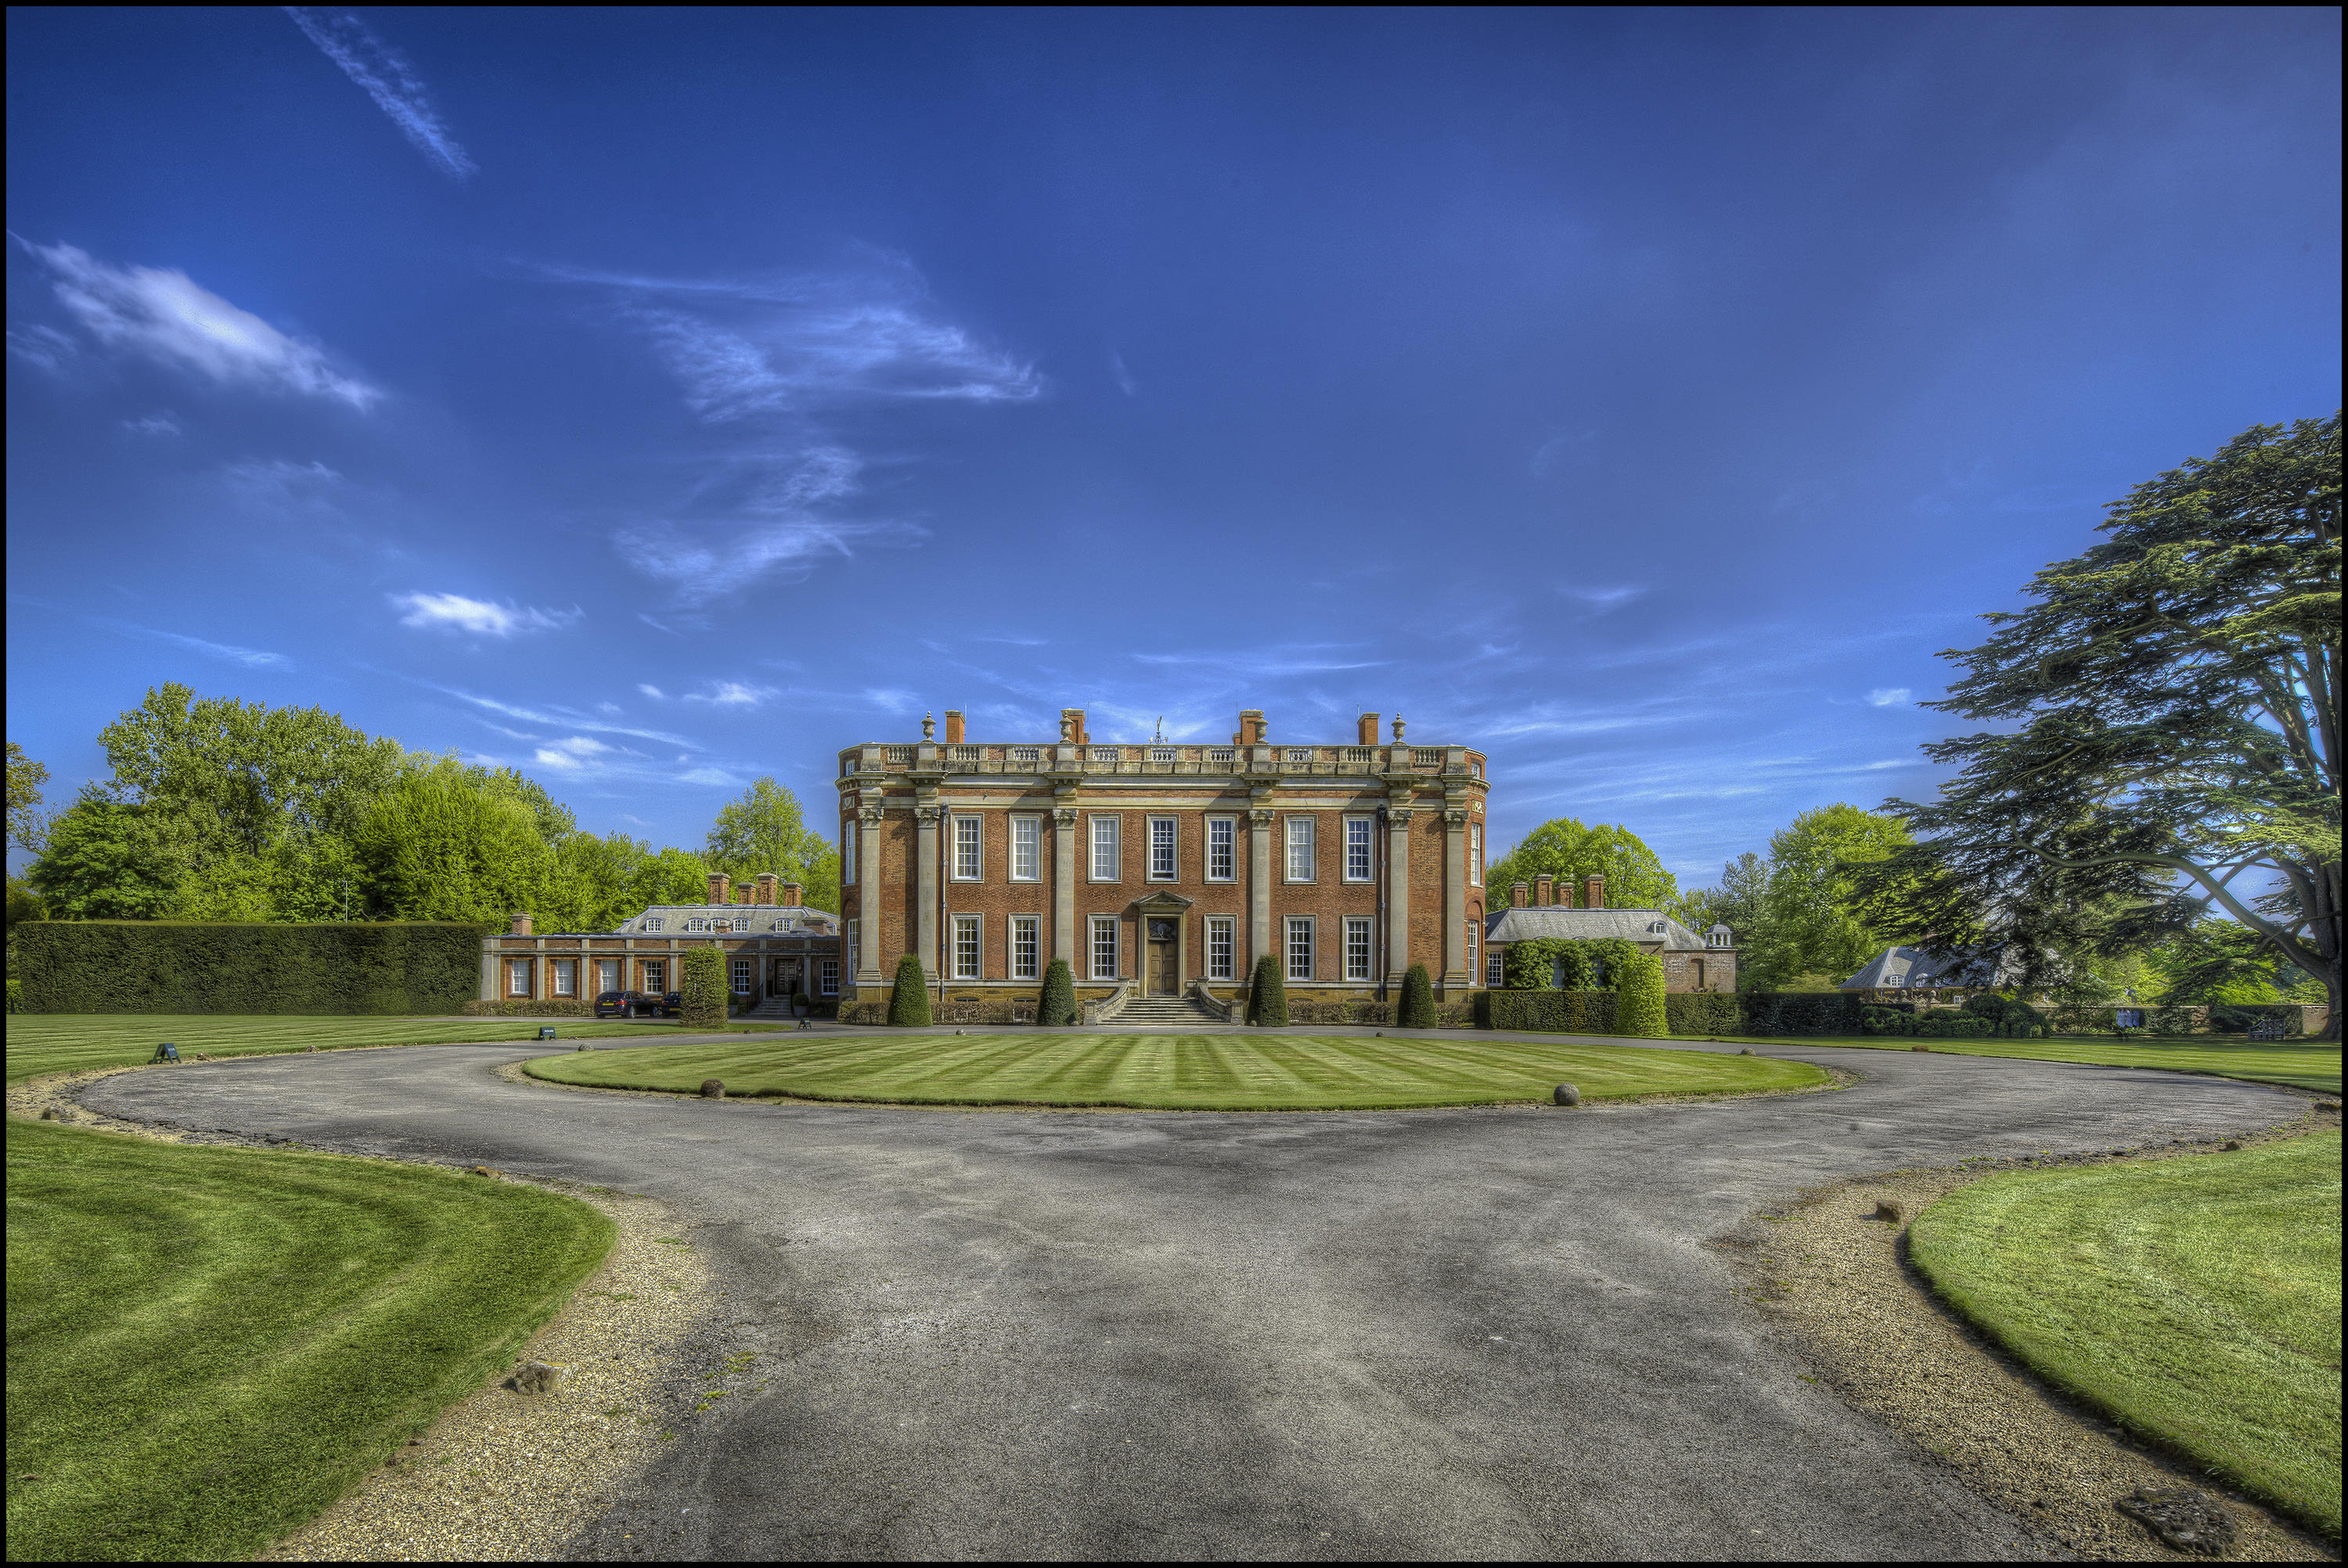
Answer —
(1161, 871)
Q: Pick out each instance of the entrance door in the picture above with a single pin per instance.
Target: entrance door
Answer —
(786, 979)
(1164, 981)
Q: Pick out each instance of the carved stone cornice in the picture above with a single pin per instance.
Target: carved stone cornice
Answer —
(1064, 816)
(930, 815)
(1399, 814)
(1455, 819)
(872, 813)
(1260, 816)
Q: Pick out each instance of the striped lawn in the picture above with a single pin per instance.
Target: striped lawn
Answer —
(1187, 1072)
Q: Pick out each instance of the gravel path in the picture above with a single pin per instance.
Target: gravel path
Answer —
(1493, 1332)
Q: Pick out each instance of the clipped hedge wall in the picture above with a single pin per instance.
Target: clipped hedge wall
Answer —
(1804, 1012)
(202, 967)
(523, 1007)
(1549, 1013)
(1703, 1012)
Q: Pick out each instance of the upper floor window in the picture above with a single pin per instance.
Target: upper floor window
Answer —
(1027, 848)
(847, 852)
(1105, 847)
(1357, 849)
(654, 923)
(1223, 848)
(1300, 848)
(1476, 854)
(966, 849)
(1161, 849)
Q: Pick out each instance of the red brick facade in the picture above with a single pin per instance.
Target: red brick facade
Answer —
(1384, 870)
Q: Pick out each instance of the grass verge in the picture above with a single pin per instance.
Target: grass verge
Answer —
(1184, 1072)
(206, 1344)
(2196, 1300)
(65, 1042)
(2298, 1064)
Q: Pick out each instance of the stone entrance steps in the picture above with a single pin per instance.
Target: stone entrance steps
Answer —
(1164, 1009)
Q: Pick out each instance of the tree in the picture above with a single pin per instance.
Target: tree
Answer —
(1268, 995)
(1810, 922)
(1058, 1004)
(1417, 1009)
(105, 861)
(28, 825)
(439, 845)
(1736, 903)
(1638, 989)
(909, 998)
(2169, 728)
(701, 987)
(1563, 847)
(764, 830)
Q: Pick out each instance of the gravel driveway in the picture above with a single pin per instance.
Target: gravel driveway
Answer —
(1490, 1333)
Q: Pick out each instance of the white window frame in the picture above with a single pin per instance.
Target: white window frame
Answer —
(1494, 976)
(740, 976)
(1228, 827)
(1222, 946)
(1294, 926)
(854, 933)
(1170, 829)
(1475, 854)
(969, 938)
(517, 977)
(1098, 927)
(1308, 844)
(1114, 824)
(656, 977)
(847, 852)
(654, 923)
(1028, 835)
(1357, 937)
(1474, 930)
(1026, 955)
(969, 858)
(696, 924)
(609, 972)
(830, 973)
(1368, 847)
(564, 974)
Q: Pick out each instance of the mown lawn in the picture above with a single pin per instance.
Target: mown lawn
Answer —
(207, 1345)
(61, 1042)
(2196, 1300)
(1189, 1071)
(2300, 1064)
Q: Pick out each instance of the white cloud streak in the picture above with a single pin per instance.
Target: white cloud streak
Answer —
(705, 569)
(162, 314)
(732, 694)
(553, 719)
(475, 617)
(1888, 696)
(571, 754)
(388, 79)
(250, 658)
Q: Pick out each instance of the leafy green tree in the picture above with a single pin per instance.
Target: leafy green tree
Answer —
(701, 987)
(1811, 923)
(909, 998)
(1564, 847)
(2169, 728)
(763, 829)
(28, 827)
(670, 877)
(1639, 987)
(438, 846)
(1268, 995)
(1058, 1004)
(1417, 1009)
(24, 903)
(107, 861)
(1736, 903)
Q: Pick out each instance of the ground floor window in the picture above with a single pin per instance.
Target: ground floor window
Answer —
(607, 974)
(1222, 961)
(1026, 946)
(1492, 968)
(1357, 947)
(657, 975)
(830, 973)
(1300, 947)
(741, 977)
(1103, 947)
(517, 977)
(965, 947)
(1473, 931)
(566, 977)
(851, 947)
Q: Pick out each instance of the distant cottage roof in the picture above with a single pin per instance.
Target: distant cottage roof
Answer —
(1896, 967)
(786, 917)
(1552, 922)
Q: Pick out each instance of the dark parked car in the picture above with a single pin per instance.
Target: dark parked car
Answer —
(625, 1004)
(672, 1005)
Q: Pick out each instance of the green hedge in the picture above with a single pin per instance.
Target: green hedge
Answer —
(194, 966)
(1644, 1011)
(1417, 998)
(909, 998)
(1549, 1013)
(521, 1007)
(1268, 995)
(1948, 1023)
(1804, 1012)
(1703, 1012)
(1057, 1006)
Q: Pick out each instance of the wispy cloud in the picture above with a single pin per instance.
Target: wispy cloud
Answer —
(165, 316)
(1294, 659)
(1602, 600)
(388, 79)
(475, 617)
(576, 753)
(705, 567)
(1889, 696)
(250, 658)
(552, 717)
(652, 692)
(152, 425)
(731, 694)
(1122, 376)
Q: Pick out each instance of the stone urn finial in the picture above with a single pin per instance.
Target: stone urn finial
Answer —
(1397, 728)
(929, 727)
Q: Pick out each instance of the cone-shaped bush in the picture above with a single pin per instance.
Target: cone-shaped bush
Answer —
(1060, 1004)
(909, 1003)
(1639, 1006)
(1417, 998)
(1267, 994)
(702, 990)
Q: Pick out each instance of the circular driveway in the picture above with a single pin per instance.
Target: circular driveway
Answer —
(1482, 1333)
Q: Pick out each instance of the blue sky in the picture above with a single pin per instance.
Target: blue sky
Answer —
(653, 400)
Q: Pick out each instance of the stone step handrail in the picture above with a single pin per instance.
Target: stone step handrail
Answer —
(1101, 1009)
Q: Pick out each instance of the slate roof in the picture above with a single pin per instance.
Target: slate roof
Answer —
(792, 919)
(1510, 924)
(1895, 967)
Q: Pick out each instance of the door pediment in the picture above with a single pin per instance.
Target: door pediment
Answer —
(1166, 902)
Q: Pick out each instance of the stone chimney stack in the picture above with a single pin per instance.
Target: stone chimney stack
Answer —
(718, 883)
(791, 892)
(521, 923)
(1517, 896)
(766, 888)
(953, 726)
(1593, 893)
(1544, 890)
(1072, 728)
(1365, 732)
(1251, 728)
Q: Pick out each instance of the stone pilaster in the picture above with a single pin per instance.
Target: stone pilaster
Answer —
(1259, 886)
(1397, 895)
(1455, 900)
(926, 850)
(1064, 885)
(868, 894)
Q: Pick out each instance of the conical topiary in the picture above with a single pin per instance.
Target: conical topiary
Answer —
(702, 990)
(1058, 1004)
(1639, 1006)
(1268, 995)
(909, 1002)
(1417, 998)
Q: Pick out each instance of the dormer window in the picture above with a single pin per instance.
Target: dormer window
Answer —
(653, 923)
(696, 924)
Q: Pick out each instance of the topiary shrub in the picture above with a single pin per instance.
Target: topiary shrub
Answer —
(909, 1003)
(1417, 998)
(1638, 982)
(1268, 995)
(1887, 1019)
(1547, 1012)
(1703, 1012)
(1057, 1006)
(702, 990)
(1804, 1012)
(523, 1007)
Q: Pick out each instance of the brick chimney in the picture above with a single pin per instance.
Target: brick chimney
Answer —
(1365, 730)
(1593, 893)
(953, 726)
(521, 923)
(1251, 728)
(1517, 896)
(1544, 890)
(718, 883)
(766, 888)
(1072, 728)
(791, 892)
